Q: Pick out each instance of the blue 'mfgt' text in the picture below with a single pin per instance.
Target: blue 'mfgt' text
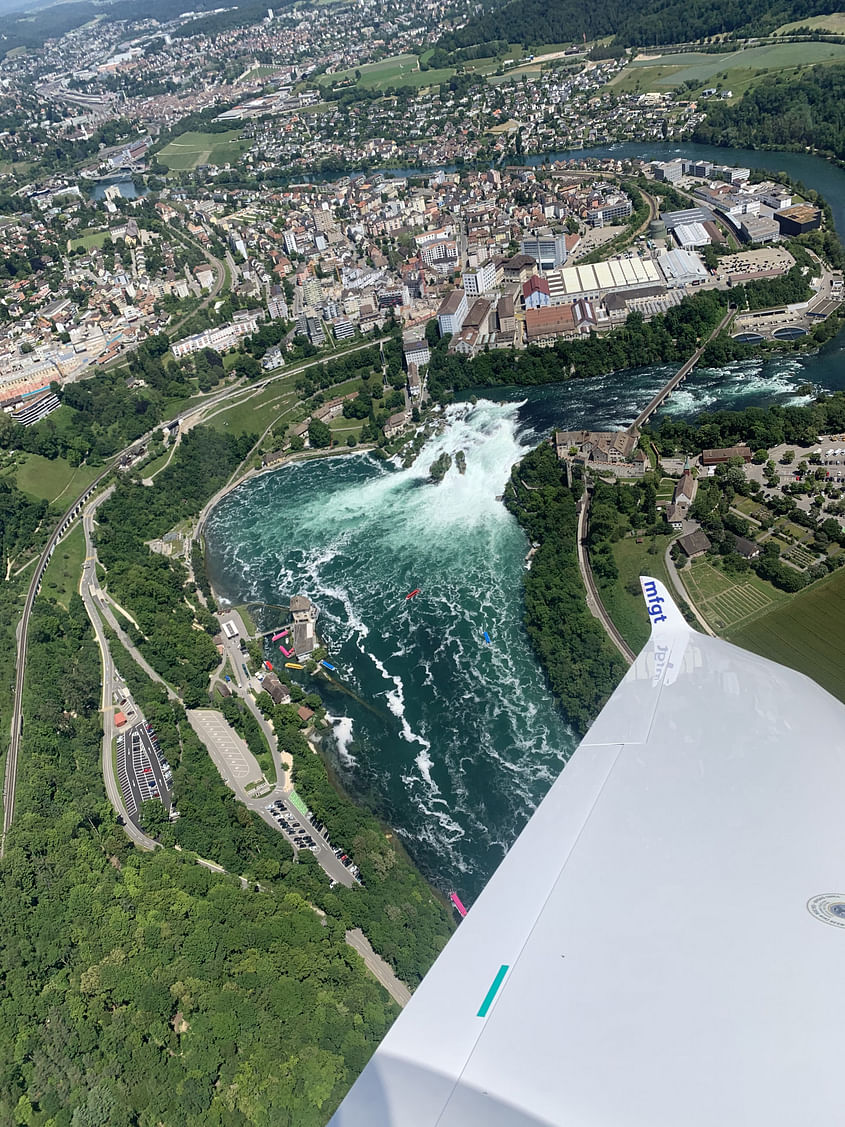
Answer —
(654, 602)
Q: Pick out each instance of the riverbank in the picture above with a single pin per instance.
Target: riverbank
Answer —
(258, 471)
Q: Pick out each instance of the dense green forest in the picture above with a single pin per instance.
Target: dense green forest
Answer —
(138, 983)
(153, 586)
(759, 427)
(394, 906)
(639, 22)
(582, 666)
(787, 111)
(20, 518)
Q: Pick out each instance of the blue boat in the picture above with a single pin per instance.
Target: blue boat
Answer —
(327, 665)
(486, 637)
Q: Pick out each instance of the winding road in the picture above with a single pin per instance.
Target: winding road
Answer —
(89, 590)
(215, 398)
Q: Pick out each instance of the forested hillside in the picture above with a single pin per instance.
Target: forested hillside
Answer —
(136, 984)
(582, 666)
(784, 112)
(639, 22)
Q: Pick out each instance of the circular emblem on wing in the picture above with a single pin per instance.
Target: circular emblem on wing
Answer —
(829, 907)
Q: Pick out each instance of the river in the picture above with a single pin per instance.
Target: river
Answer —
(452, 740)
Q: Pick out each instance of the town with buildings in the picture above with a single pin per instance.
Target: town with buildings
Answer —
(219, 186)
(502, 258)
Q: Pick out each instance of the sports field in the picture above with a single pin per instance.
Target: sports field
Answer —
(736, 71)
(807, 633)
(192, 149)
(727, 602)
(89, 240)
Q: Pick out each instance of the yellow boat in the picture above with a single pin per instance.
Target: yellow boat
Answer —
(293, 665)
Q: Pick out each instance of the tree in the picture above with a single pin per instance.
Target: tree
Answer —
(319, 434)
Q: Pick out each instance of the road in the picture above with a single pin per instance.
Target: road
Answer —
(240, 687)
(593, 598)
(88, 587)
(11, 773)
(10, 776)
(397, 990)
(681, 591)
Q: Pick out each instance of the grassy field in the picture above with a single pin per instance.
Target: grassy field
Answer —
(736, 71)
(259, 72)
(727, 602)
(398, 70)
(92, 239)
(835, 22)
(666, 490)
(628, 611)
(54, 480)
(806, 633)
(61, 578)
(192, 149)
(253, 414)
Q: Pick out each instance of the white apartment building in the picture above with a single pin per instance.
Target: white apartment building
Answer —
(452, 313)
(480, 280)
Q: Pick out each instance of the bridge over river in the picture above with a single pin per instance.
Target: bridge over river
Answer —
(679, 376)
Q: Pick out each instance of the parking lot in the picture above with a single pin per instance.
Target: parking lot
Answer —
(304, 831)
(143, 772)
(233, 759)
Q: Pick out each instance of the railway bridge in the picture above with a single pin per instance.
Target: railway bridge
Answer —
(679, 376)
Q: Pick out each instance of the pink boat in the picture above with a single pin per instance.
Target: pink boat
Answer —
(456, 900)
(276, 637)
(287, 653)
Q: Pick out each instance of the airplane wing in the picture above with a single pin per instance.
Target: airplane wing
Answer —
(665, 942)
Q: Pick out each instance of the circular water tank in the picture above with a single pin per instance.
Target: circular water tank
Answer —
(657, 229)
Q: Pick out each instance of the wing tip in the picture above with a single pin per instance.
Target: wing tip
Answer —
(663, 613)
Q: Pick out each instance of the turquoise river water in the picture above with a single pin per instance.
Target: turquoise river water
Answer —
(454, 741)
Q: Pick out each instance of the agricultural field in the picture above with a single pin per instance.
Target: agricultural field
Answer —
(834, 22)
(628, 610)
(806, 633)
(737, 71)
(54, 479)
(727, 601)
(398, 70)
(192, 149)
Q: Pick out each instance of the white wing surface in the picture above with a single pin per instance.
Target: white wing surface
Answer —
(664, 944)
